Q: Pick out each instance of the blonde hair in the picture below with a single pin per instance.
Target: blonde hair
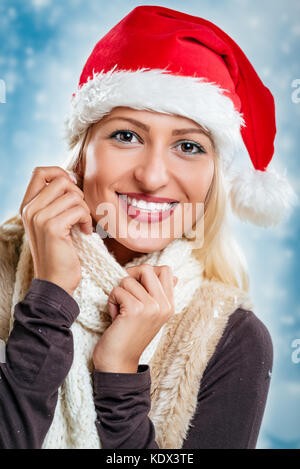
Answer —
(220, 255)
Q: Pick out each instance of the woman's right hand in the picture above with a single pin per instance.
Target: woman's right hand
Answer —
(51, 206)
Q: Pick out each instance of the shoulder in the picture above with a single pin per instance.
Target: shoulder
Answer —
(246, 343)
(243, 335)
(234, 387)
(244, 327)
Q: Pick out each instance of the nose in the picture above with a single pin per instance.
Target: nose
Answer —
(152, 172)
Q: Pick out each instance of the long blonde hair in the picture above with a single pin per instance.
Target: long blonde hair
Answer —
(220, 254)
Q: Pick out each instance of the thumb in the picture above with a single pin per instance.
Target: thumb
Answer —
(113, 310)
(175, 280)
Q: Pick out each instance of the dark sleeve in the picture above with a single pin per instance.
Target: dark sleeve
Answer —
(234, 387)
(122, 402)
(231, 398)
(39, 354)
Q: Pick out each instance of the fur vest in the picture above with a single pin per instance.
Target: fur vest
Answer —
(185, 347)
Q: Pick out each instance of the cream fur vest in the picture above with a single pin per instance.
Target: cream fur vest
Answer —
(177, 356)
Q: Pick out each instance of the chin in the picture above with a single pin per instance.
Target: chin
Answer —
(144, 245)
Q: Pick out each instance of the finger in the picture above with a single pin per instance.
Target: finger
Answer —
(41, 176)
(166, 278)
(134, 287)
(113, 310)
(48, 194)
(64, 221)
(122, 301)
(147, 276)
(59, 205)
(72, 176)
(134, 271)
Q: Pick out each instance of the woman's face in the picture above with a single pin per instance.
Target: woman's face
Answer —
(145, 154)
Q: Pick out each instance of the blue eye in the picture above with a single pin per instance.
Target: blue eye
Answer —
(127, 136)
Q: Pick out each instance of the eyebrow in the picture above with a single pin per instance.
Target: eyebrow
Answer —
(147, 128)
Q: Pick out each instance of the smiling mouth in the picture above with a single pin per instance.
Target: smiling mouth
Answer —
(146, 212)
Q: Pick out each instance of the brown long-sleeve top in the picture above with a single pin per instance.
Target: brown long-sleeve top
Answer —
(39, 354)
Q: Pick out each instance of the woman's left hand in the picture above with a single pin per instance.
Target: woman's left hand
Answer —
(139, 306)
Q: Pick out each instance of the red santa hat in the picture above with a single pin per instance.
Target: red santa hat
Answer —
(167, 61)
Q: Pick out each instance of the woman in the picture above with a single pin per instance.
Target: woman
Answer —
(168, 352)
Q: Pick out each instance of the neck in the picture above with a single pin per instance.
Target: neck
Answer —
(121, 253)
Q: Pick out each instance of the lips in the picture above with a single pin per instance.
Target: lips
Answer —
(144, 216)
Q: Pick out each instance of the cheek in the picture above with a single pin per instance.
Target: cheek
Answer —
(101, 168)
(200, 180)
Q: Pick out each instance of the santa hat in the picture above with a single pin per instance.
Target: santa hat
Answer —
(167, 61)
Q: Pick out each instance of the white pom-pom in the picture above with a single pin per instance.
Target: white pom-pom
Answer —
(263, 198)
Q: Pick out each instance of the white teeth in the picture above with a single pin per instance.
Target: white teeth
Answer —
(148, 206)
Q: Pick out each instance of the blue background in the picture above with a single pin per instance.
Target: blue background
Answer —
(43, 47)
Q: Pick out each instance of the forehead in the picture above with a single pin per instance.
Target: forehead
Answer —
(149, 115)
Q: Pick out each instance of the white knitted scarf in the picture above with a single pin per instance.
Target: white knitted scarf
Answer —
(73, 424)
